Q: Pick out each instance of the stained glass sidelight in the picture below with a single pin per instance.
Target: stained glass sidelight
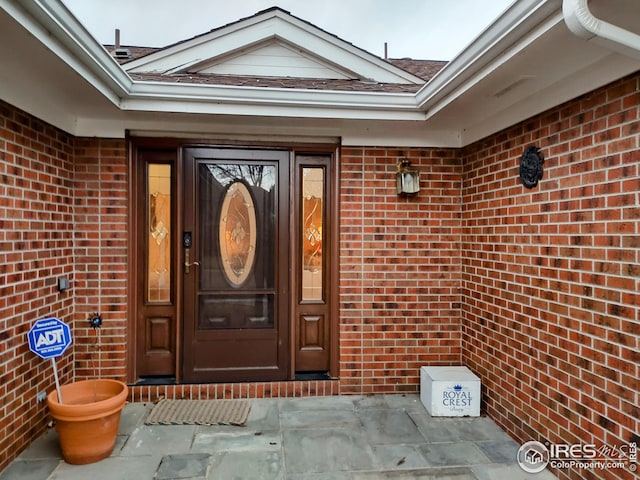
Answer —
(312, 237)
(159, 228)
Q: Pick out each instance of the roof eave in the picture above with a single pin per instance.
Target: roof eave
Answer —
(242, 100)
(59, 31)
(521, 23)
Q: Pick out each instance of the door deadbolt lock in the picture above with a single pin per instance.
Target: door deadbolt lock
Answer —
(186, 243)
(186, 239)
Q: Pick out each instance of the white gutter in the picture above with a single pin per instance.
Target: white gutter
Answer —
(584, 24)
(145, 95)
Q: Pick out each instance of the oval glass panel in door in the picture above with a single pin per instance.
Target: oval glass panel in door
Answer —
(237, 233)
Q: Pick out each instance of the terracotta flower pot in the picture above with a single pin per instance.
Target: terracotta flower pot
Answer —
(87, 420)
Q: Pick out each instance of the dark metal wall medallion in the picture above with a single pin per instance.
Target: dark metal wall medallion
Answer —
(531, 167)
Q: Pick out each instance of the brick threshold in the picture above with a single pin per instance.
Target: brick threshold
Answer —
(227, 391)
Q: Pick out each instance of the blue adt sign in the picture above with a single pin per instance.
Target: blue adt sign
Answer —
(49, 338)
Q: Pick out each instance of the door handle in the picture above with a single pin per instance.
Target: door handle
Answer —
(187, 260)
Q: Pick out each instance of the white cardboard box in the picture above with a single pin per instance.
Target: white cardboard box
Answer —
(450, 391)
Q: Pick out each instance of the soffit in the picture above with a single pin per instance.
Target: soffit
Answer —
(35, 79)
(545, 66)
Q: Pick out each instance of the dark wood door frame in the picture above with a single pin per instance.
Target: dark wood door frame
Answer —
(175, 148)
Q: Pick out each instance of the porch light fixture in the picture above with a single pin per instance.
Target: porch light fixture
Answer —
(407, 178)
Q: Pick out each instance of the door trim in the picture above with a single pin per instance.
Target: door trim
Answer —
(176, 146)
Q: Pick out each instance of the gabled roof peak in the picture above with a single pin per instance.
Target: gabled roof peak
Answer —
(269, 43)
(271, 9)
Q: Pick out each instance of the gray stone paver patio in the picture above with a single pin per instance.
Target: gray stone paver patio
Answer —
(321, 438)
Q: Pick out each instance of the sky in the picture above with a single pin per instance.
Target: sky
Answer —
(418, 29)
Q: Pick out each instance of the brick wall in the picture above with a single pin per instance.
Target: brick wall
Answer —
(36, 248)
(547, 313)
(53, 223)
(100, 249)
(399, 269)
(550, 280)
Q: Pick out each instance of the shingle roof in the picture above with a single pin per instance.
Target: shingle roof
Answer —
(424, 69)
(278, 82)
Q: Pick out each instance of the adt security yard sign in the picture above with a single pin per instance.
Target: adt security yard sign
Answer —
(49, 338)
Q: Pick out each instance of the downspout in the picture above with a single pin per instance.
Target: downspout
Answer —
(584, 24)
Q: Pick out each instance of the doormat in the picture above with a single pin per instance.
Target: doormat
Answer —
(199, 412)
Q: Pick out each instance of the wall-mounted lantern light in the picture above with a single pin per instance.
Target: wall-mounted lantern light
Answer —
(407, 178)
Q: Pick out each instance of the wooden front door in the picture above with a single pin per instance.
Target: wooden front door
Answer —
(235, 252)
(235, 261)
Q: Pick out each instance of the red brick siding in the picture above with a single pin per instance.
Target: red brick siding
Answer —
(36, 248)
(399, 269)
(549, 276)
(298, 388)
(55, 222)
(550, 281)
(101, 253)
